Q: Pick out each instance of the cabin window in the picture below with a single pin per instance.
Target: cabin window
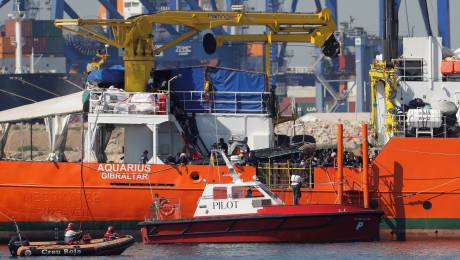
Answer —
(219, 193)
(238, 192)
(245, 192)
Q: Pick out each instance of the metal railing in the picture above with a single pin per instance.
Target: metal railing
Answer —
(278, 175)
(410, 69)
(118, 102)
(223, 101)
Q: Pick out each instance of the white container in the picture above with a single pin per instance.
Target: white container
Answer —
(424, 118)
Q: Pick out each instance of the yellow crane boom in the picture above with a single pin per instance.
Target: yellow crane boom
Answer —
(135, 35)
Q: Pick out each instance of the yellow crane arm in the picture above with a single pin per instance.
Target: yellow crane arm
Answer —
(135, 35)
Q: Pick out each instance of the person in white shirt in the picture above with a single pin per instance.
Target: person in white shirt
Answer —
(70, 234)
(296, 183)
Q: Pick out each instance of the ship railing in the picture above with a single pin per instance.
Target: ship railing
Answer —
(402, 128)
(410, 69)
(317, 181)
(278, 175)
(120, 102)
(223, 101)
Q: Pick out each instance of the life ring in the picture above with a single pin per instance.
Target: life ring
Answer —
(166, 209)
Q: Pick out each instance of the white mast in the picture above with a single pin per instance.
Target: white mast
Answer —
(32, 61)
(18, 16)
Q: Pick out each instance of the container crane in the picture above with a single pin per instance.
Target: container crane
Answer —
(135, 35)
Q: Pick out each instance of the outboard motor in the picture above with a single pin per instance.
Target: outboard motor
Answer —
(15, 243)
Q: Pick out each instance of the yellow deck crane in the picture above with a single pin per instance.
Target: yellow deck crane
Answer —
(135, 35)
(383, 78)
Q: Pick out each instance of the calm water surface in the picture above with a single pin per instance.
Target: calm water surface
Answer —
(387, 250)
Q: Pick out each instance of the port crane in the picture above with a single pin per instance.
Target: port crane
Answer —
(135, 35)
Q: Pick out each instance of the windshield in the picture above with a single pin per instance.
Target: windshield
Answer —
(270, 193)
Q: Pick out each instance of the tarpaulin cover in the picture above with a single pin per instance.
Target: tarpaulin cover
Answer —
(233, 90)
(109, 76)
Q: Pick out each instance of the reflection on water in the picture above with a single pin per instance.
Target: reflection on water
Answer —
(389, 250)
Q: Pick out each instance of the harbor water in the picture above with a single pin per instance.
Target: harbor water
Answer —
(432, 249)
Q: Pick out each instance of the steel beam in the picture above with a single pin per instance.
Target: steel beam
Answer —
(151, 9)
(444, 22)
(317, 3)
(284, 44)
(194, 6)
(426, 16)
(214, 5)
(57, 9)
(70, 12)
(332, 4)
(111, 10)
(3, 2)
(148, 5)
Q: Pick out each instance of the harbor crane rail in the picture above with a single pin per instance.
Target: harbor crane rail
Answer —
(135, 35)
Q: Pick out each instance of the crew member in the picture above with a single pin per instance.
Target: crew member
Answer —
(70, 234)
(296, 183)
(109, 234)
(223, 146)
(249, 193)
(144, 157)
(183, 160)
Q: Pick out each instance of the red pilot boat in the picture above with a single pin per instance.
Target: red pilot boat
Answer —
(250, 212)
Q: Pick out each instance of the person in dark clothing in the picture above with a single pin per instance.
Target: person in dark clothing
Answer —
(144, 157)
(223, 146)
(249, 193)
(183, 160)
(252, 160)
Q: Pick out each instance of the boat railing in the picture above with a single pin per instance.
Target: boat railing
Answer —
(120, 102)
(410, 69)
(223, 101)
(278, 175)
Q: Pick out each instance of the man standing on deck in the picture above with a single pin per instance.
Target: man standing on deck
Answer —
(296, 183)
(223, 146)
(144, 157)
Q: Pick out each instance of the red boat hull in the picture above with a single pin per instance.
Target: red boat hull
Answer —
(313, 227)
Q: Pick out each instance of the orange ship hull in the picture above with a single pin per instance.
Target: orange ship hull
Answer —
(415, 181)
(43, 195)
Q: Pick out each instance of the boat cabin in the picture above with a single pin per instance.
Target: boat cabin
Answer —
(235, 199)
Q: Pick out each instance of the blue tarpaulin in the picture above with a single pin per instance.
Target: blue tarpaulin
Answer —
(114, 75)
(230, 90)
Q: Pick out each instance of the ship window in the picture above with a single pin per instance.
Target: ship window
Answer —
(219, 193)
(135, 4)
(238, 192)
(245, 192)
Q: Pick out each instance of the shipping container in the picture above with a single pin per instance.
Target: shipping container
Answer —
(6, 55)
(55, 45)
(26, 28)
(40, 45)
(255, 49)
(45, 28)
(8, 47)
